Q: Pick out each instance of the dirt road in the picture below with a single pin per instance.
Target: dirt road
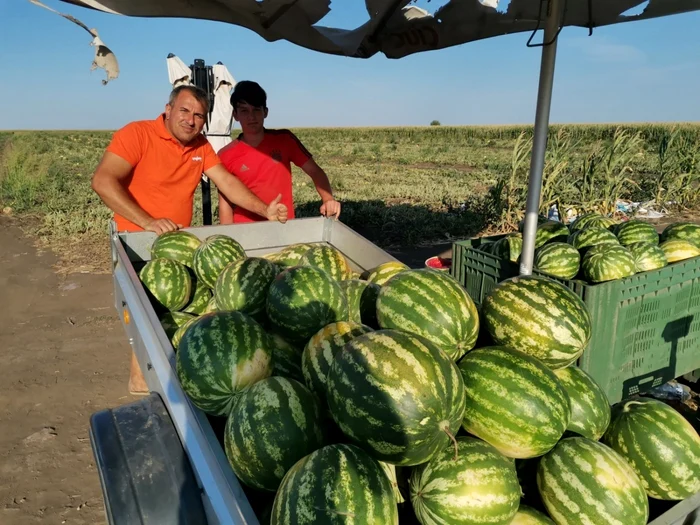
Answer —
(63, 356)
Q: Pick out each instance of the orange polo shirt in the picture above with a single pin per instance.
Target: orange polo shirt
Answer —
(165, 174)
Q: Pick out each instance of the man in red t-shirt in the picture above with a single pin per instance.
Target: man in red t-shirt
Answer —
(261, 158)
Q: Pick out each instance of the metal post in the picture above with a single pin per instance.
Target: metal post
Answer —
(539, 143)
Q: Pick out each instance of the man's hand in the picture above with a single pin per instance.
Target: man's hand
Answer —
(277, 211)
(161, 226)
(330, 208)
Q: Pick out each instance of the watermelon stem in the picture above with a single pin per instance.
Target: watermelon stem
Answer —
(446, 429)
(628, 403)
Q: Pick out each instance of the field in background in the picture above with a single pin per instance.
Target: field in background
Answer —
(398, 186)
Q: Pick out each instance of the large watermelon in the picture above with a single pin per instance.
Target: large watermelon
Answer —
(513, 401)
(243, 285)
(385, 271)
(362, 301)
(319, 352)
(474, 485)
(286, 359)
(199, 298)
(433, 305)
(289, 255)
(273, 424)
(635, 231)
(219, 355)
(686, 231)
(592, 219)
(168, 282)
(591, 236)
(338, 484)
(550, 231)
(178, 246)
(509, 247)
(171, 321)
(607, 263)
(538, 316)
(583, 482)
(529, 516)
(590, 409)
(396, 395)
(660, 445)
(327, 258)
(647, 256)
(679, 249)
(302, 300)
(214, 254)
(558, 259)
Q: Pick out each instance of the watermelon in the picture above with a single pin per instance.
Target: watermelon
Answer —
(274, 424)
(286, 359)
(509, 247)
(362, 301)
(177, 336)
(385, 271)
(168, 282)
(214, 254)
(558, 259)
(591, 236)
(290, 255)
(529, 516)
(318, 354)
(514, 401)
(635, 231)
(329, 259)
(171, 321)
(220, 355)
(302, 300)
(338, 484)
(647, 256)
(211, 306)
(390, 471)
(178, 246)
(661, 446)
(539, 317)
(550, 231)
(606, 262)
(679, 250)
(474, 486)
(582, 481)
(243, 285)
(199, 298)
(592, 219)
(590, 409)
(433, 305)
(396, 395)
(686, 231)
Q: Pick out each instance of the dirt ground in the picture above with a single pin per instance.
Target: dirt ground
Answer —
(64, 356)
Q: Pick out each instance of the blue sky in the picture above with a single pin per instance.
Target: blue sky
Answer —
(640, 71)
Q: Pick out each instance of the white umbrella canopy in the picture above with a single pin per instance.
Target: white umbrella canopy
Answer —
(178, 72)
(221, 118)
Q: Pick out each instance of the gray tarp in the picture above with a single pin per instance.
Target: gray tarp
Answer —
(394, 27)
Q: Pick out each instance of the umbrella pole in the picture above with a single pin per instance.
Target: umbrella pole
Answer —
(539, 143)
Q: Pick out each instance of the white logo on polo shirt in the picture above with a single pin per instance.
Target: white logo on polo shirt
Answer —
(244, 167)
(197, 159)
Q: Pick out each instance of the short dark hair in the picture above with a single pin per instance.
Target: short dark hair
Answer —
(249, 92)
(198, 93)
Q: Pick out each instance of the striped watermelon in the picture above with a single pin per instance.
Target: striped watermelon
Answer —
(396, 395)
(385, 271)
(529, 516)
(539, 317)
(199, 298)
(514, 401)
(509, 247)
(660, 445)
(550, 231)
(329, 259)
(178, 246)
(606, 262)
(592, 219)
(273, 424)
(591, 236)
(686, 231)
(647, 256)
(177, 336)
(286, 359)
(433, 305)
(558, 259)
(289, 255)
(679, 250)
(171, 321)
(362, 301)
(585, 482)
(211, 306)
(338, 484)
(168, 282)
(214, 254)
(473, 485)
(318, 354)
(390, 471)
(220, 355)
(590, 409)
(243, 285)
(302, 300)
(635, 231)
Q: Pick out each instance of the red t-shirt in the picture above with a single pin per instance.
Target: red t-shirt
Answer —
(266, 169)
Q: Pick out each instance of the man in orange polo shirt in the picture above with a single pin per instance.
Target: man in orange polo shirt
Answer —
(150, 171)
(261, 158)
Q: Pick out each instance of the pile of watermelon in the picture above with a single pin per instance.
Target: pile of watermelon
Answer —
(596, 249)
(386, 396)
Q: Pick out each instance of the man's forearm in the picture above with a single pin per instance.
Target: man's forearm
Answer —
(238, 194)
(119, 201)
(322, 183)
